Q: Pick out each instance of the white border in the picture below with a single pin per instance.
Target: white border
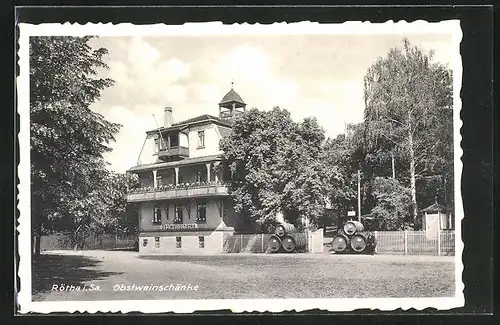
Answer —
(402, 28)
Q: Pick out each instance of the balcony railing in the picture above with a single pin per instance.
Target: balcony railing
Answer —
(173, 151)
(183, 190)
(228, 115)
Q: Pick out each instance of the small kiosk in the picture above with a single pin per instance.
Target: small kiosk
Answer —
(434, 219)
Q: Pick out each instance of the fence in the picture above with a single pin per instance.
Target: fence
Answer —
(92, 242)
(258, 243)
(415, 242)
(246, 243)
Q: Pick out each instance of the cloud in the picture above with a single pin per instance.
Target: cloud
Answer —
(443, 53)
(256, 76)
(145, 77)
(192, 74)
(130, 139)
(280, 92)
(210, 93)
(246, 63)
(175, 69)
(141, 54)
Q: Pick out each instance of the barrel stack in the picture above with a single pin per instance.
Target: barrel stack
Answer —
(294, 242)
(353, 239)
(287, 239)
(274, 243)
(284, 229)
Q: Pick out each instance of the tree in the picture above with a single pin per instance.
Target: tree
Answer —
(340, 170)
(103, 209)
(124, 215)
(67, 137)
(274, 166)
(408, 113)
(393, 204)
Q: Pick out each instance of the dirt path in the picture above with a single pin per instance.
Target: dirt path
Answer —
(104, 275)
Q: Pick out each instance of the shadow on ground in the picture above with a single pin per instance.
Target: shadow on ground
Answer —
(63, 269)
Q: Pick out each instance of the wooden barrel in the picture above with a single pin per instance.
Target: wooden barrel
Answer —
(274, 244)
(293, 243)
(351, 227)
(358, 243)
(284, 229)
(340, 243)
(341, 232)
(363, 242)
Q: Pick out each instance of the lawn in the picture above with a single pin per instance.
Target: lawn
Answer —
(244, 276)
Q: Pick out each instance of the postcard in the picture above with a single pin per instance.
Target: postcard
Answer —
(245, 167)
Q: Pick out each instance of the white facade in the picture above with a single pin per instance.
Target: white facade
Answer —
(211, 140)
(190, 139)
(184, 205)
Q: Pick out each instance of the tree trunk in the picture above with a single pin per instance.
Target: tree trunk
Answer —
(412, 176)
(37, 236)
(445, 192)
(393, 167)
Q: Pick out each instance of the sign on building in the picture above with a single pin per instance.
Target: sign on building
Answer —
(174, 226)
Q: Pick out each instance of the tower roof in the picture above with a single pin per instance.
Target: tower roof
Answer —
(231, 97)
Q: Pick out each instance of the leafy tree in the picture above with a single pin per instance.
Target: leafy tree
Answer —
(337, 158)
(124, 215)
(67, 137)
(103, 209)
(275, 167)
(393, 204)
(408, 114)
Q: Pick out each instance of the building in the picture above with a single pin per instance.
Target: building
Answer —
(183, 200)
(436, 218)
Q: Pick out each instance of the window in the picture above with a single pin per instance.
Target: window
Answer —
(201, 139)
(156, 215)
(145, 242)
(178, 242)
(201, 216)
(178, 214)
(174, 140)
(159, 144)
(201, 241)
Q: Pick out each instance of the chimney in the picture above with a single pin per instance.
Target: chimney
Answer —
(168, 119)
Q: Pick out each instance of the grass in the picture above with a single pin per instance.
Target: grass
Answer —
(249, 276)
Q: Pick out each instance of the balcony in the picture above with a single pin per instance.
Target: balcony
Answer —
(176, 151)
(185, 190)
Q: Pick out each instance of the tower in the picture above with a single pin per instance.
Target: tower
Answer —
(231, 105)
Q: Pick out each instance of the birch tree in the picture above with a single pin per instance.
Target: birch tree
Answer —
(408, 103)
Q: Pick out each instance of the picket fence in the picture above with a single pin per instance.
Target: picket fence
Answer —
(388, 242)
(415, 242)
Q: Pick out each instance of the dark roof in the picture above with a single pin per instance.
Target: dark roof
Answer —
(232, 96)
(436, 207)
(194, 120)
(172, 164)
(201, 118)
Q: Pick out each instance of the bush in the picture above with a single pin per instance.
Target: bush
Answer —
(392, 209)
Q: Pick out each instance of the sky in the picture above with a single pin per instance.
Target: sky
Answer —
(309, 75)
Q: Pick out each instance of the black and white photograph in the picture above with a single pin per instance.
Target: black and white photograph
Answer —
(246, 167)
